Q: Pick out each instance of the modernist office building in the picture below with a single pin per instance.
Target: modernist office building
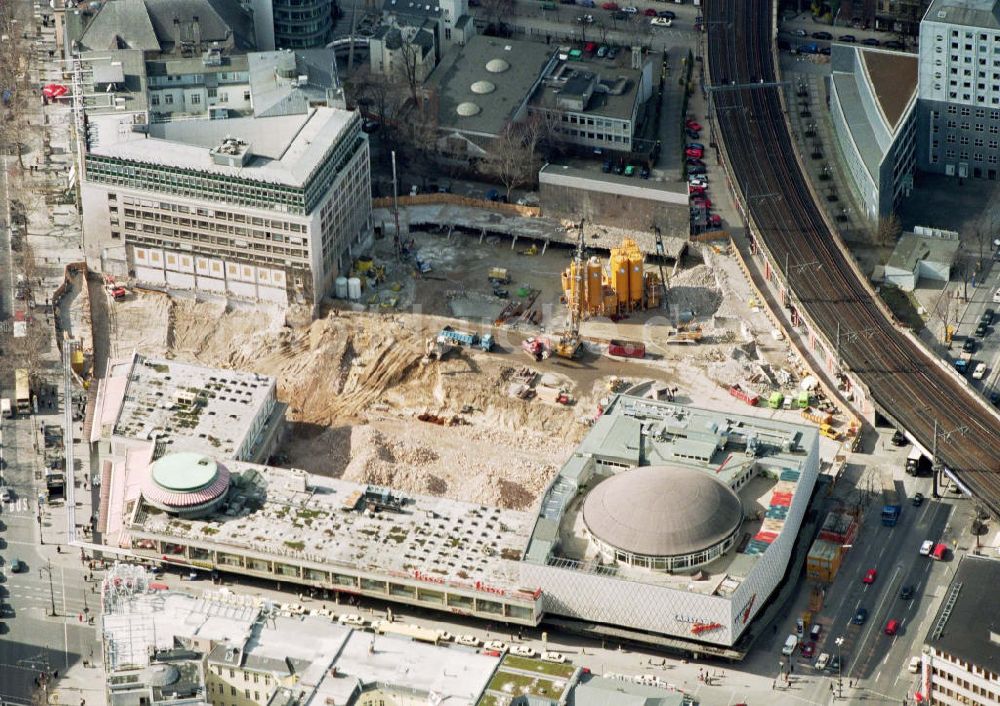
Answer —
(958, 131)
(872, 103)
(267, 209)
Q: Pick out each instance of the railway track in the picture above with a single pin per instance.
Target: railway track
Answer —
(900, 376)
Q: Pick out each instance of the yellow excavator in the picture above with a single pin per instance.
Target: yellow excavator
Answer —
(567, 345)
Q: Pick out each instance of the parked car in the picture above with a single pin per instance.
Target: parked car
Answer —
(815, 631)
(612, 52)
(609, 6)
(692, 152)
(17, 566)
(629, 170)
(996, 296)
(987, 316)
(871, 42)
(606, 166)
(870, 576)
(695, 163)
(791, 642)
(969, 346)
(702, 202)
(696, 169)
(715, 220)
(661, 22)
(692, 134)
(522, 651)
(696, 145)
(898, 439)
(893, 44)
(649, 12)
(468, 640)
(826, 36)
(847, 38)
(860, 617)
(822, 661)
(982, 329)
(557, 657)
(914, 665)
(495, 645)
(979, 372)
(644, 172)
(692, 125)
(630, 10)
(918, 500)
(800, 33)
(585, 19)
(666, 14)
(698, 181)
(602, 51)
(808, 649)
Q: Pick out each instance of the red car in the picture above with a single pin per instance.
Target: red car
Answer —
(870, 576)
(692, 125)
(650, 12)
(694, 153)
(715, 220)
(808, 648)
(610, 6)
(590, 48)
(696, 190)
(701, 202)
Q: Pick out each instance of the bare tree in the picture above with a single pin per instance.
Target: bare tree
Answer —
(887, 230)
(411, 65)
(942, 311)
(512, 159)
(495, 11)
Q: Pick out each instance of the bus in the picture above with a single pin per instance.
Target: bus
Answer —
(22, 392)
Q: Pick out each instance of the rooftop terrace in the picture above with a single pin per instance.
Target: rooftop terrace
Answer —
(181, 406)
(286, 512)
(761, 459)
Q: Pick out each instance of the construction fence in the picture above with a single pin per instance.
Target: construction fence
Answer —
(457, 200)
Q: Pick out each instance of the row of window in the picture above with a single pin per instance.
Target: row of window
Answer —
(964, 156)
(195, 98)
(992, 697)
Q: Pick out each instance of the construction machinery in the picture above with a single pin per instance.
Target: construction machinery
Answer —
(684, 333)
(622, 288)
(537, 348)
(567, 345)
(466, 339)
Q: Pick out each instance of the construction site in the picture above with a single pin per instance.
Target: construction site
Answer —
(430, 366)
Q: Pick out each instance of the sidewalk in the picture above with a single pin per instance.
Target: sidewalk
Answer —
(55, 236)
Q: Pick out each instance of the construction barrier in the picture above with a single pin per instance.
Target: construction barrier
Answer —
(458, 200)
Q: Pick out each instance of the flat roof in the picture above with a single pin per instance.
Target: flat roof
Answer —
(507, 89)
(274, 94)
(618, 84)
(684, 438)
(455, 674)
(286, 149)
(912, 248)
(894, 81)
(287, 512)
(859, 122)
(182, 406)
(970, 628)
(593, 690)
(971, 13)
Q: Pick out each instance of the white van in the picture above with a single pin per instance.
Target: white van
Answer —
(914, 665)
(996, 296)
(790, 644)
(979, 372)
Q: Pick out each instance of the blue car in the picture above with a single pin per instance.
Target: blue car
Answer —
(860, 617)
(696, 145)
(812, 48)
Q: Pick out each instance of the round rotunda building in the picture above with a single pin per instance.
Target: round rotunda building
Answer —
(186, 484)
(662, 518)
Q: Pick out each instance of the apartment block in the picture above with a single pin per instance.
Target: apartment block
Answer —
(263, 209)
(958, 128)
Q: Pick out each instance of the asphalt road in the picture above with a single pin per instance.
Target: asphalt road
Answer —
(31, 640)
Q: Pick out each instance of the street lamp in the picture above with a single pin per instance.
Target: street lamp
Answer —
(52, 595)
(840, 668)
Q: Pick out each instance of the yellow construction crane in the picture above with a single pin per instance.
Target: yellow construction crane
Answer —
(568, 344)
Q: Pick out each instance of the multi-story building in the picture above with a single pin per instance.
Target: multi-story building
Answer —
(960, 665)
(595, 104)
(268, 209)
(958, 121)
(403, 53)
(872, 103)
(900, 16)
(633, 514)
(292, 24)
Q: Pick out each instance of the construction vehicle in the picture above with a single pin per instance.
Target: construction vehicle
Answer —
(499, 275)
(739, 393)
(829, 432)
(466, 338)
(815, 415)
(627, 349)
(537, 348)
(533, 250)
(684, 333)
(568, 343)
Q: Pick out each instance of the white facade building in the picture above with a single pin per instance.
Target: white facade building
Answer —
(265, 209)
(959, 665)
(959, 89)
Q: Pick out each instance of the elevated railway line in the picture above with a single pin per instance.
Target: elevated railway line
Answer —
(902, 379)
